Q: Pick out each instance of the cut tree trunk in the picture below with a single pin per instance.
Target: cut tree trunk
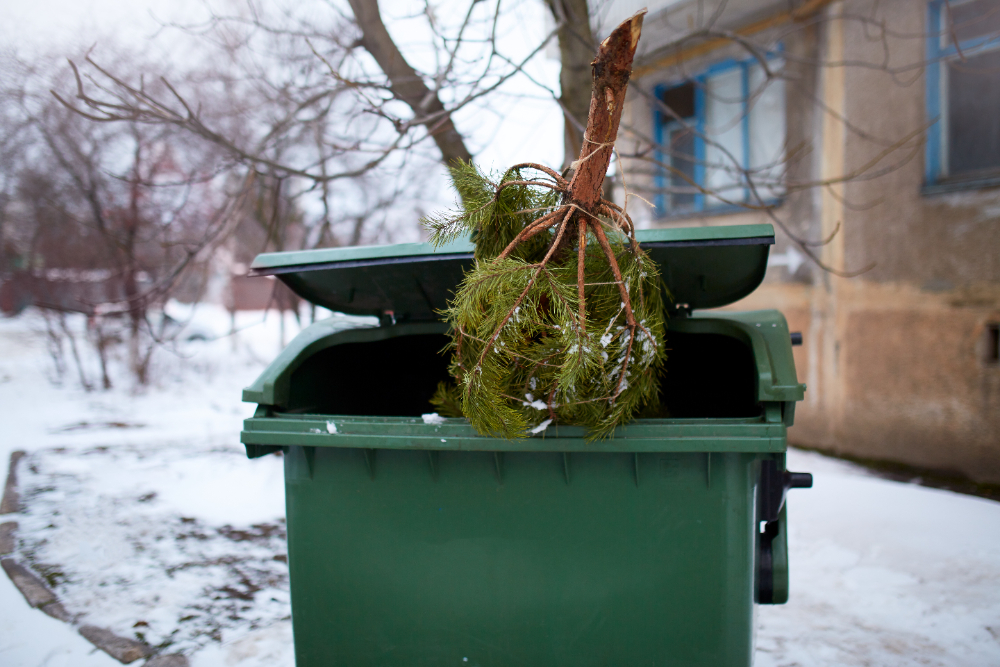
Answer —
(556, 349)
(582, 197)
(611, 70)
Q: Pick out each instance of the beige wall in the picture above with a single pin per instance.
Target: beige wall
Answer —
(937, 241)
(907, 379)
(895, 358)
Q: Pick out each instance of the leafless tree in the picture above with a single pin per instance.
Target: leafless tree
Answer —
(341, 106)
(331, 107)
(107, 219)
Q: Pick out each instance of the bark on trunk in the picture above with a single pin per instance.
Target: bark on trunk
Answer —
(611, 70)
(405, 83)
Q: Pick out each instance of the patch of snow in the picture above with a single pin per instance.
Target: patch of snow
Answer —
(884, 573)
(332, 428)
(270, 646)
(432, 418)
(541, 427)
(108, 526)
(170, 544)
(29, 638)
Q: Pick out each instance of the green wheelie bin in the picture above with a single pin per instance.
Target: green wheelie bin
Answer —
(413, 540)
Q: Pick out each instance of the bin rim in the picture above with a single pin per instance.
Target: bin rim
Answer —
(749, 434)
(702, 267)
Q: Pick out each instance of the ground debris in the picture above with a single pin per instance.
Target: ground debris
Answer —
(31, 587)
(122, 649)
(8, 531)
(175, 660)
(9, 504)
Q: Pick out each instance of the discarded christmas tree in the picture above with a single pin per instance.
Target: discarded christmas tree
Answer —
(561, 319)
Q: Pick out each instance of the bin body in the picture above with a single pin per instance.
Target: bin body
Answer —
(406, 569)
(414, 543)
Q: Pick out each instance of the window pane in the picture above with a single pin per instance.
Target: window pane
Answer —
(978, 18)
(724, 136)
(679, 147)
(680, 99)
(682, 161)
(767, 131)
(974, 114)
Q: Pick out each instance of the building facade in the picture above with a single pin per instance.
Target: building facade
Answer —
(870, 132)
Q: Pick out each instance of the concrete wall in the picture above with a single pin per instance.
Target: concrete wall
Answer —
(895, 373)
(894, 358)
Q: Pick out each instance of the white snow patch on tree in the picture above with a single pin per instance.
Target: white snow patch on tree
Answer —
(541, 427)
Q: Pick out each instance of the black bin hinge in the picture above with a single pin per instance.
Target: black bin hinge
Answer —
(796, 337)
(774, 484)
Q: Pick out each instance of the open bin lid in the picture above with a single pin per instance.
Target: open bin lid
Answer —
(703, 267)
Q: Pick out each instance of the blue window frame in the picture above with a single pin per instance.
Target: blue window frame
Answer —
(963, 93)
(731, 124)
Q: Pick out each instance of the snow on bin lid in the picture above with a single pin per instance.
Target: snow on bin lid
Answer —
(704, 267)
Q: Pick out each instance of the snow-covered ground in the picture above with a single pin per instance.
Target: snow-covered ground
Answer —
(884, 574)
(143, 513)
(141, 507)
